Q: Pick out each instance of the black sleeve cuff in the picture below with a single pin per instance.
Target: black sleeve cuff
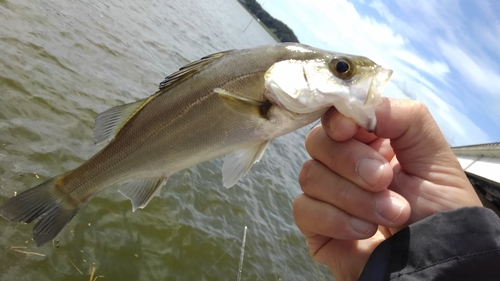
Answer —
(462, 244)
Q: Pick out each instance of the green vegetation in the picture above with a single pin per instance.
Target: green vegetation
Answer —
(274, 26)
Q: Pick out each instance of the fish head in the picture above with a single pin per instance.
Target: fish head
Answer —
(350, 83)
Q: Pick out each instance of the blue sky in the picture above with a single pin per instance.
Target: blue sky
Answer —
(444, 53)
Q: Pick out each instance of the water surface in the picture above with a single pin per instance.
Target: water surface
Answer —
(64, 62)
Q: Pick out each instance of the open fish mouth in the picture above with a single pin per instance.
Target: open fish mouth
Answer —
(374, 86)
(368, 90)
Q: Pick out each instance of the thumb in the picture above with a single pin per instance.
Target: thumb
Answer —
(425, 168)
(415, 137)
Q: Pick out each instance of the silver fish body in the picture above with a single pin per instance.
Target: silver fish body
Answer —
(231, 103)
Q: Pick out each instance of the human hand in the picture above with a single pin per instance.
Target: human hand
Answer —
(361, 188)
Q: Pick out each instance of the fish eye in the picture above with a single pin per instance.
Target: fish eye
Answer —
(341, 67)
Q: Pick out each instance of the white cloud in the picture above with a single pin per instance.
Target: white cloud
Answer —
(383, 10)
(457, 128)
(473, 69)
(481, 74)
(435, 68)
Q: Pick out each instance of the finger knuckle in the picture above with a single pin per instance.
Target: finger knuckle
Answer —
(297, 207)
(310, 139)
(305, 175)
(344, 195)
(419, 108)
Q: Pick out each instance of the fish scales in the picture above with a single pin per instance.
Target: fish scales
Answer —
(144, 138)
(179, 109)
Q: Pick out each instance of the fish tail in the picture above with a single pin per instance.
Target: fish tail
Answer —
(48, 201)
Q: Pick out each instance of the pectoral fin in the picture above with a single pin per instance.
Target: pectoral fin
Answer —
(243, 104)
(238, 163)
(140, 192)
(230, 95)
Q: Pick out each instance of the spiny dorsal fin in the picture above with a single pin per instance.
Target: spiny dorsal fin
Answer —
(238, 163)
(190, 69)
(109, 123)
(140, 192)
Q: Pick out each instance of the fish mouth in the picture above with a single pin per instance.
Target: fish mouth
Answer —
(377, 84)
(304, 88)
(368, 91)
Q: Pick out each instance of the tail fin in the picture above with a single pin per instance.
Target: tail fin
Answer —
(45, 201)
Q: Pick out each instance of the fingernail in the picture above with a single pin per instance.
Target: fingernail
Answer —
(389, 207)
(361, 226)
(370, 170)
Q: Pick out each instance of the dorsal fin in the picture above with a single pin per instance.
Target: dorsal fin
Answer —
(109, 123)
(190, 69)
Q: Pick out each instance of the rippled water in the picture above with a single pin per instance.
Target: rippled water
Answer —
(62, 63)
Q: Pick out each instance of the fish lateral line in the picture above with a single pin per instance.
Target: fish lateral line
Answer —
(230, 103)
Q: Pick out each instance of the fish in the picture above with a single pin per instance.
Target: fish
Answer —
(230, 104)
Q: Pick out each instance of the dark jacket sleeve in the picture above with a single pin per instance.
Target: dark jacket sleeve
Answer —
(462, 244)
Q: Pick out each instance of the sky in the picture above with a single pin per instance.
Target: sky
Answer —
(445, 54)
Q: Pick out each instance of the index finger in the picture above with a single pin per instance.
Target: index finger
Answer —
(351, 159)
(341, 128)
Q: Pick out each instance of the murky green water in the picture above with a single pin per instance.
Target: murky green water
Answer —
(62, 63)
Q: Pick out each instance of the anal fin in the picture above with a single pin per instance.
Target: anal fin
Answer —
(140, 192)
(238, 163)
